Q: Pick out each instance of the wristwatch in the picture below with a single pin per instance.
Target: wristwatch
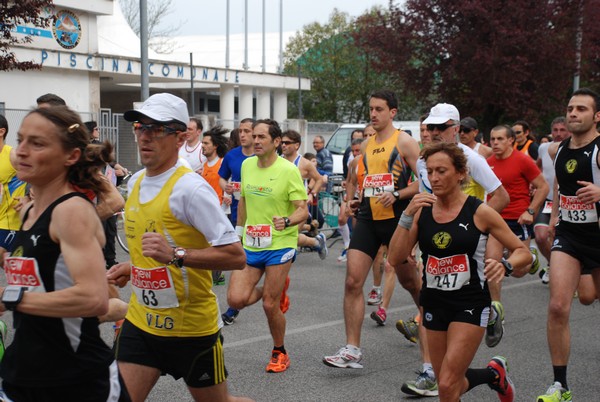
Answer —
(508, 268)
(179, 253)
(531, 211)
(12, 296)
(396, 194)
(286, 222)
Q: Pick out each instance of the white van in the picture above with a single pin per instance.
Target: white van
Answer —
(340, 139)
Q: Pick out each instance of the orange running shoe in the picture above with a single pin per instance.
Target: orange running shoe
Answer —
(279, 362)
(117, 328)
(284, 303)
(418, 318)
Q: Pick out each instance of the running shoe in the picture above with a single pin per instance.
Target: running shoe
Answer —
(495, 327)
(379, 316)
(220, 280)
(425, 385)
(322, 247)
(545, 275)
(410, 329)
(374, 297)
(344, 358)
(556, 393)
(284, 303)
(3, 334)
(502, 384)
(314, 228)
(344, 256)
(279, 362)
(536, 264)
(229, 316)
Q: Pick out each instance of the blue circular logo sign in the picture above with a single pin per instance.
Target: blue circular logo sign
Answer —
(66, 29)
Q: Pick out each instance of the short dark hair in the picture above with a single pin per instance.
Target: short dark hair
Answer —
(523, 124)
(510, 133)
(217, 136)
(388, 96)
(293, 135)
(558, 120)
(592, 93)
(357, 141)
(198, 123)
(4, 125)
(274, 129)
(234, 138)
(51, 99)
(309, 156)
(247, 120)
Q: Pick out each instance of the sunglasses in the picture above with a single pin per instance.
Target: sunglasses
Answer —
(156, 131)
(439, 127)
(518, 132)
(465, 130)
(288, 142)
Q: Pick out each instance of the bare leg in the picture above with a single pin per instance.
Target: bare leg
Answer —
(357, 269)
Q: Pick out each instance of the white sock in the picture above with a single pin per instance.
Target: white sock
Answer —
(353, 349)
(428, 368)
(345, 232)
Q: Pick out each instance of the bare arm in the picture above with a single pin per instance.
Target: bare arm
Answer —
(299, 215)
(499, 199)
(110, 200)
(312, 173)
(76, 227)
(539, 196)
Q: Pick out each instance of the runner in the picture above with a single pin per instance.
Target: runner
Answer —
(452, 230)
(176, 232)
(57, 352)
(272, 203)
(575, 219)
(191, 150)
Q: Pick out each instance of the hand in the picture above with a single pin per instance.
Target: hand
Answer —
(119, 274)
(352, 207)
(228, 188)
(21, 202)
(154, 245)
(494, 270)
(386, 199)
(419, 201)
(552, 226)
(589, 193)
(525, 219)
(278, 223)
(227, 200)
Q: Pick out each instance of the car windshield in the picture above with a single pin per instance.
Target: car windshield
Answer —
(340, 140)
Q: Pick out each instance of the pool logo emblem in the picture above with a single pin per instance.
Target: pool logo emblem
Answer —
(66, 29)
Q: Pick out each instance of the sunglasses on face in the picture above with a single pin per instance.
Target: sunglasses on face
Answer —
(288, 142)
(156, 131)
(518, 132)
(439, 127)
(465, 130)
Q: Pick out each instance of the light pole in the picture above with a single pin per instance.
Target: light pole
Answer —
(145, 83)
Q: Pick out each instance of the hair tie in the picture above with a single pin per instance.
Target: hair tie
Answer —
(72, 128)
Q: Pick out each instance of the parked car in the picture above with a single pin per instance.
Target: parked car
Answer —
(340, 139)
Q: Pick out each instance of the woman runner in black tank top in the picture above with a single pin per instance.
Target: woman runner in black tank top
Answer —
(57, 284)
(451, 229)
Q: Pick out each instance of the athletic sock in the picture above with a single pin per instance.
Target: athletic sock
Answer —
(280, 349)
(345, 232)
(477, 377)
(560, 375)
(353, 349)
(427, 367)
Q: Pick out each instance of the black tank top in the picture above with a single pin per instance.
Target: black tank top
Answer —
(50, 351)
(453, 260)
(572, 165)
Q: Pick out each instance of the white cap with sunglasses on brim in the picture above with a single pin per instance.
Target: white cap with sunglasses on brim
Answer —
(441, 113)
(162, 108)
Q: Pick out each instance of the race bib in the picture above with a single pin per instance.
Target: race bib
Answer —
(23, 271)
(574, 211)
(259, 236)
(236, 186)
(547, 207)
(448, 273)
(375, 185)
(154, 287)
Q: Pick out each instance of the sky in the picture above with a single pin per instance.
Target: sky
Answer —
(208, 17)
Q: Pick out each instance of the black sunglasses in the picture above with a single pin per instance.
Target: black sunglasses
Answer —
(465, 130)
(439, 127)
(288, 142)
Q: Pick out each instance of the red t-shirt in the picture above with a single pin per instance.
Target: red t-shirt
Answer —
(515, 173)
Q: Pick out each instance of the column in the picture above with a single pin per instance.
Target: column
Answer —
(263, 103)
(245, 109)
(280, 105)
(226, 106)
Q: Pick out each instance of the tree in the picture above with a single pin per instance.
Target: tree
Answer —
(498, 61)
(158, 35)
(13, 14)
(341, 72)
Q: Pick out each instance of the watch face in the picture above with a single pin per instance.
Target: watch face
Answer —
(11, 294)
(180, 253)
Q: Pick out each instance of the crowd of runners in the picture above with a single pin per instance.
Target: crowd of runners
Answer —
(448, 216)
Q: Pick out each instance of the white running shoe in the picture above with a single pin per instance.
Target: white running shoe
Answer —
(344, 358)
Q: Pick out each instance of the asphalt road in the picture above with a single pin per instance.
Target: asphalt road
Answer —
(315, 327)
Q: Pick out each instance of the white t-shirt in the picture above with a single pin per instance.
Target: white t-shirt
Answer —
(193, 201)
(193, 156)
(547, 167)
(479, 170)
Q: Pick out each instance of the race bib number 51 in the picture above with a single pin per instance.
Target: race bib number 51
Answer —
(375, 185)
(154, 287)
(259, 236)
(448, 273)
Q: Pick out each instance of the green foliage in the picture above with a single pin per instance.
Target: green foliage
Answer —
(13, 14)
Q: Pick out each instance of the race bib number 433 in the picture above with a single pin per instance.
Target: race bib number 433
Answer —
(447, 273)
(375, 185)
(574, 211)
(154, 287)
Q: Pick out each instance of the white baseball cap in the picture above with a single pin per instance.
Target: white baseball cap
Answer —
(163, 108)
(441, 113)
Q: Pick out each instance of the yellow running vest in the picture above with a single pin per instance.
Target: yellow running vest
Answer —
(11, 188)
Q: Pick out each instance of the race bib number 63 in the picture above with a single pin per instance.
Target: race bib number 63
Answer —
(154, 287)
